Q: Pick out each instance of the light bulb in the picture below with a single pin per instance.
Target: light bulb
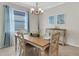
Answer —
(40, 10)
(32, 9)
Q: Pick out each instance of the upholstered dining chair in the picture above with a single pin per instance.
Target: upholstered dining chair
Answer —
(54, 44)
(23, 49)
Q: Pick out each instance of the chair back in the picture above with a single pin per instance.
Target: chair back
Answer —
(20, 38)
(54, 43)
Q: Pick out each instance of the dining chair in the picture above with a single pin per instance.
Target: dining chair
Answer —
(24, 49)
(54, 44)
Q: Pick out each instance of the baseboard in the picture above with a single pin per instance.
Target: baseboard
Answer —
(70, 44)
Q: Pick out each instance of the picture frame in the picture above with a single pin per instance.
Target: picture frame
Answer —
(60, 19)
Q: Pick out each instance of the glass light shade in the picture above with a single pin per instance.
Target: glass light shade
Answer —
(40, 10)
(31, 10)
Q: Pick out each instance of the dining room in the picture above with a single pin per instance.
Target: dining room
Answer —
(39, 29)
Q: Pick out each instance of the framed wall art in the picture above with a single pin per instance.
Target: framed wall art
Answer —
(60, 19)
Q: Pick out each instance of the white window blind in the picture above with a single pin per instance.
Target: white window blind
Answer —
(21, 20)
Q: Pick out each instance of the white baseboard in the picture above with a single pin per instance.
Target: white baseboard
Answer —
(71, 44)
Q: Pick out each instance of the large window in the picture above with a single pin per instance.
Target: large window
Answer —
(21, 20)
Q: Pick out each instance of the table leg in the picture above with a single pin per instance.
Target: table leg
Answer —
(64, 40)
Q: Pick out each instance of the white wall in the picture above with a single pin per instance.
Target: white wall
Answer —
(71, 11)
(33, 18)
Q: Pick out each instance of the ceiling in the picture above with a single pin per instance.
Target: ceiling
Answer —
(43, 5)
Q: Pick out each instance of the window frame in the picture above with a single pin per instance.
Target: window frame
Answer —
(26, 21)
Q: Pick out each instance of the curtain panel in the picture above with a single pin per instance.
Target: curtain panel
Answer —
(6, 27)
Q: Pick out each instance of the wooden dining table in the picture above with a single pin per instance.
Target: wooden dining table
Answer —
(37, 42)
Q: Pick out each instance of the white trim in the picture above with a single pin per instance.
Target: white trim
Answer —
(71, 44)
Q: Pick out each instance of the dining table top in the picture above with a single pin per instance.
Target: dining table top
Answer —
(36, 40)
